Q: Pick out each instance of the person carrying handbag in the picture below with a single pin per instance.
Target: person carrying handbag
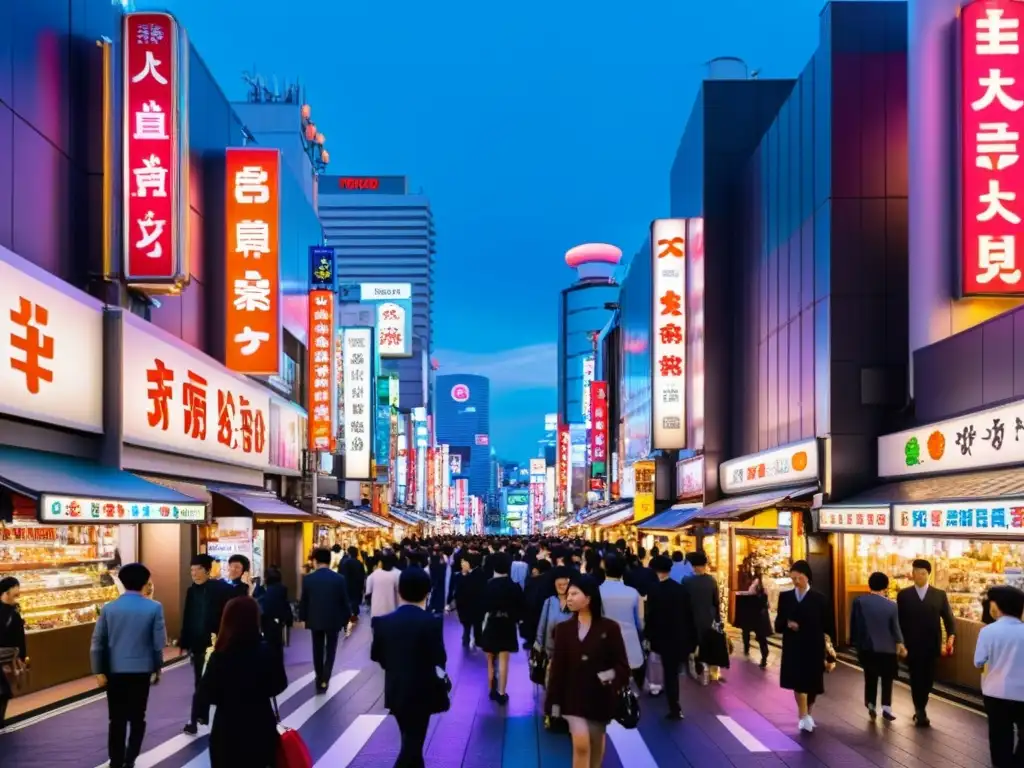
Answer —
(703, 596)
(13, 655)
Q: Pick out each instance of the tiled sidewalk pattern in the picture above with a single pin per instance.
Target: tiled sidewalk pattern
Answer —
(747, 721)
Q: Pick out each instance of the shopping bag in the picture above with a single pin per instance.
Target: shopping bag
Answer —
(538, 666)
(441, 692)
(655, 671)
(292, 751)
(714, 649)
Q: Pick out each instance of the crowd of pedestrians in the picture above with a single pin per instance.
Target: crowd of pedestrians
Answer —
(602, 623)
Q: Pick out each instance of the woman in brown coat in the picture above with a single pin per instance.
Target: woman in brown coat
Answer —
(588, 670)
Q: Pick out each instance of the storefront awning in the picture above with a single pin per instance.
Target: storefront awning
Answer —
(623, 515)
(59, 483)
(741, 507)
(367, 516)
(343, 518)
(264, 506)
(969, 486)
(671, 519)
(403, 516)
(599, 514)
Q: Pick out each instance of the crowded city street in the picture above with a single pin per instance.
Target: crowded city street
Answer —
(744, 722)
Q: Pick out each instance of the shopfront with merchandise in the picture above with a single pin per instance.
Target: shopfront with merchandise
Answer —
(950, 497)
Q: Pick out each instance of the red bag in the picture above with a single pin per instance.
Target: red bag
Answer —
(292, 751)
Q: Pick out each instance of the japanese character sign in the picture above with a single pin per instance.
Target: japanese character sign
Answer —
(253, 312)
(321, 370)
(992, 95)
(183, 403)
(1003, 517)
(393, 328)
(668, 327)
(321, 268)
(358, 356)
(562, 469)
(155, 153)
(599, 421)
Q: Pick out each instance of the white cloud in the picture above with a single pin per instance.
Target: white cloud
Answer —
(527, 367)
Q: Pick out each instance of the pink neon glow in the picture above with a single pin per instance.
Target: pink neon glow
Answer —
(593, 253)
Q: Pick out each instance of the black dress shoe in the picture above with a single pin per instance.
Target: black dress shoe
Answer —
(921, 720)
(675, 716)
(191, 729)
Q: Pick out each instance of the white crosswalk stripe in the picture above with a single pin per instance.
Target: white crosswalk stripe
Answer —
(297, 718)
(629, 743)
(742, 735)
(347, 747)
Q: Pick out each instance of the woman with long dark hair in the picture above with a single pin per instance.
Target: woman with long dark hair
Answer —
(588, 670)
(242, 676)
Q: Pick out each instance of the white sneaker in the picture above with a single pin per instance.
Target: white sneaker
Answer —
(655, 690)
(806, 724)
(810, 720)
(472, 645)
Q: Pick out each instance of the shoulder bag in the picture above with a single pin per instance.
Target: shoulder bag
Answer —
(627, 708)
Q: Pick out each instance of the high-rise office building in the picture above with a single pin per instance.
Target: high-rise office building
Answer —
(381, 234)
(462, 410)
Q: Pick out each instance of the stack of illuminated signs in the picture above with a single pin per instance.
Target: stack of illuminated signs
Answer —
(252, 261)
(668, 326)
(588, 379)
(538, 477)
(992, 174)
(358, 408)
(155, 153)
(598, 425)
(320, 375)
(562, 478)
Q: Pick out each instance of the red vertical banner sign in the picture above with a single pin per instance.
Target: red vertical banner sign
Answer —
(598, 421)
(252, 260)
(320, 369)
(562, 479)
(992, 173)
(155, 153)
(410, 474)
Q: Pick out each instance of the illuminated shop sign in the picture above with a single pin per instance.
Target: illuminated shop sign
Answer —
(385, 291)
(598, 418)
(252, 261)
(989, 438)
(778, 467)
(321, 268)
(155, 181)
(564, 450)
(854, 519)
(77, 509)
(690, 478)
(394, 329)
(357, 378)
(588, 379)
(668, 324)
(992, 94)
(460, 393)
(321, 377)
(1002, 517)
(381, 185)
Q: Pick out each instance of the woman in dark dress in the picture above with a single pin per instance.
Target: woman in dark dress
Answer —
(804, 620)
(503, 607)
(752, 616)
(588, 669)
(275, 611)
(242, 676)
(12, 639)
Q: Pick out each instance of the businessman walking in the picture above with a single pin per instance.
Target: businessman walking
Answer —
(324, 609)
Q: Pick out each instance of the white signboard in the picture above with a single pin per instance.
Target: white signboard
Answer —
(788, 465)
(181, 401)
(357, 385)
(989, 438)
(392, 337)
(550, 422)
(690, 478)
(79, 509)
(52, 350)
(588, 379)
(384, 291)
(854, 519)
(537, 468)
(668, 324)
(1001, 517)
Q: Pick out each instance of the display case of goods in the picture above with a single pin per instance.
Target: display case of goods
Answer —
(62, 570)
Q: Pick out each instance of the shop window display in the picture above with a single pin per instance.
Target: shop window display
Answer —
(772, 557)
(964, 568)
(63, 570)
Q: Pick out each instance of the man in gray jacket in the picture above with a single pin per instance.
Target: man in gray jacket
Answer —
(875, 633)
(127, 654)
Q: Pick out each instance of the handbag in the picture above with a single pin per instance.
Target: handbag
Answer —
(292, 751)
(538, 666)
(830, 655)
(714, 647)
(17, 679)
(441, 692)
(627, 708)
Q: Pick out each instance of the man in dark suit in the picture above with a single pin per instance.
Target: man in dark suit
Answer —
(325, 610)
(204, 603)
(665, 629)
(469, 595)
(923, 612)
(355, 577)
(409, 646)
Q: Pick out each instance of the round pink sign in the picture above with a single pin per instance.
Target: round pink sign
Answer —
(460, 393)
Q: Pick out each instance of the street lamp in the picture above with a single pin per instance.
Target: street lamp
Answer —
(313, 141)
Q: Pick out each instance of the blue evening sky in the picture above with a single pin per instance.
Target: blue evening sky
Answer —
(532, 126)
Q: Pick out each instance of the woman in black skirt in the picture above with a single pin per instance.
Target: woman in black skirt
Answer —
(503, 607)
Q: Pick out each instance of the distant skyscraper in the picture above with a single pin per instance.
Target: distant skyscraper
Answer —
(582, 311)
(463, 413)
(382, 234)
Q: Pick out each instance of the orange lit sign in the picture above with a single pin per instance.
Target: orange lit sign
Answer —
(253, 274)
(321, 368)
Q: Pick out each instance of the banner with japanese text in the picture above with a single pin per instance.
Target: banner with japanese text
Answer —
(992, 174)
(598, 424)
(320, 371)
(564, 449)
(668, 328)
(253, 261)
(155, 152)
(359, 406)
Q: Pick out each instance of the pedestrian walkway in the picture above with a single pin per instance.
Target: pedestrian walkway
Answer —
(745, 722)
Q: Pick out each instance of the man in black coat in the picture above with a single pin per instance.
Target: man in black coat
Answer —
(665, 629)
(355, 577)
(409, 646)
(923, 612)
(469, 595)
(204, 603)
(325, 610)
